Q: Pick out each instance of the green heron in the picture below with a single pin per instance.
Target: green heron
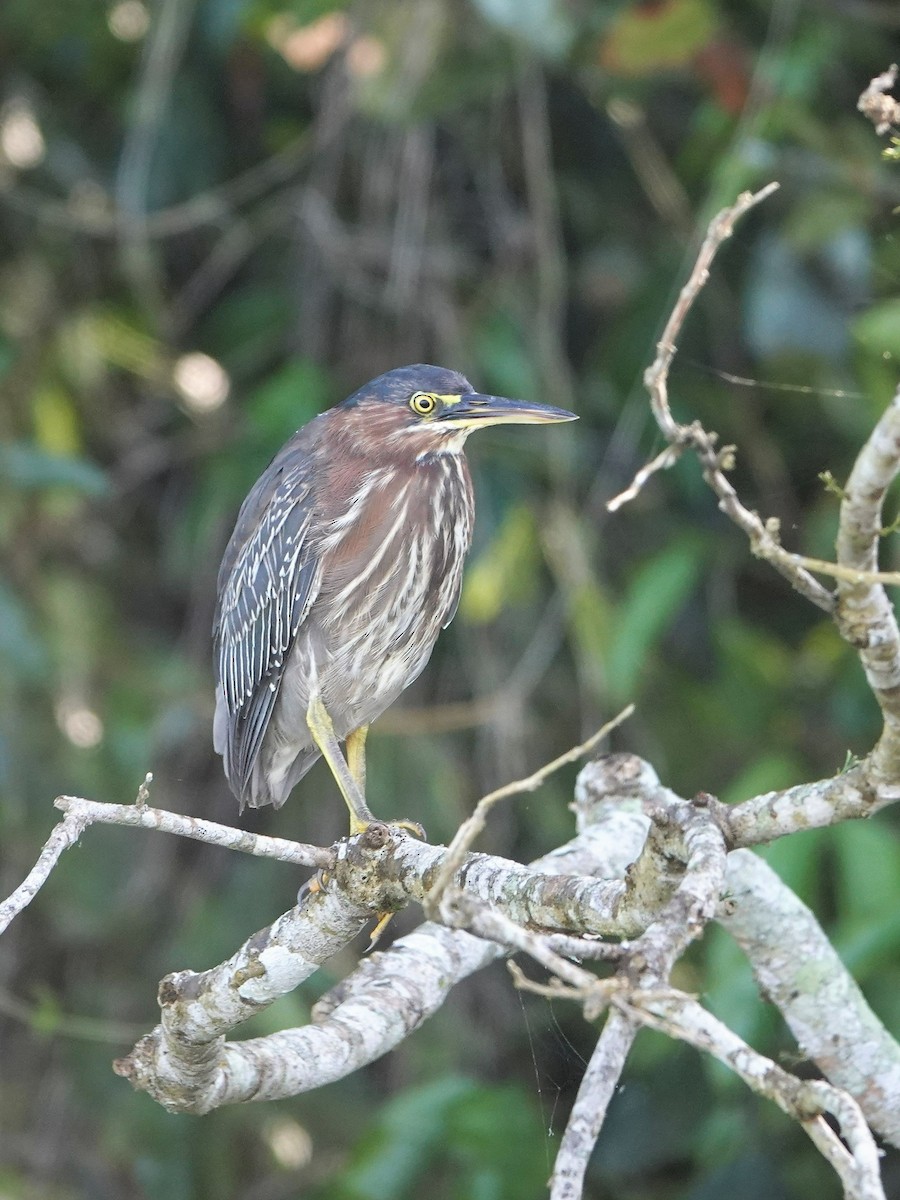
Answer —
(345, 563)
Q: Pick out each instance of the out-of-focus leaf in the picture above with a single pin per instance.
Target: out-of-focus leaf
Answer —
(751, 1176)
(764, 774)
(498, 1134)
(112, 335)
(286, 400)
(870, 944)
(56, 422)
(730, 989)
(504, 572)
(256, 14)
(878, 329)
(868, 880)
(651, 37)
(394, 1153)
(798, 861)
(822, 217)
(502, 358)
(592, 617)
(649, 607)
(26, 466)
(246, 328)
(489, 1137)
(7, 355)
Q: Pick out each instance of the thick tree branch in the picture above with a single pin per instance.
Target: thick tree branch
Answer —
(855, 1158)
(389, 995)
(818, 998)
(788, 951)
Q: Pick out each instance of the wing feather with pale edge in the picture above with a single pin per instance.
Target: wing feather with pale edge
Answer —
(267, 582)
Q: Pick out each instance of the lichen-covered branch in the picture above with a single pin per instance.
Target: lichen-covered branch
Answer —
(788, 951)
(818, 997)
(388, 996)
(854, 1155)
(848, 796)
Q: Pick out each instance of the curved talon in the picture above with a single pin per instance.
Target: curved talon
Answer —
(384, 919)
(310, 887)
(416, 828)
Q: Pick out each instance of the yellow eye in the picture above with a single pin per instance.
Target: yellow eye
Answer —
(423, 403)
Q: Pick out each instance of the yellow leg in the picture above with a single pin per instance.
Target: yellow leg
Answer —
(356, 761)
(356, 756)
(322, 730)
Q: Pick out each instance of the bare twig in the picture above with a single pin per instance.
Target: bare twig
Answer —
(474, 824)
(662, 462)
(763, 536)
(656, 376)
(66, 834)
(79, 814)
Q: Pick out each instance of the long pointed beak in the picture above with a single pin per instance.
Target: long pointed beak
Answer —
(472, 410)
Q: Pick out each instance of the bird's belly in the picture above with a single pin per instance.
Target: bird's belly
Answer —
(363, 674)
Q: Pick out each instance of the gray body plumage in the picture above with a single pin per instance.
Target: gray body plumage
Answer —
(345, 563)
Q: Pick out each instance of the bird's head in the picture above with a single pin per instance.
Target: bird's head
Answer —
(433, 410)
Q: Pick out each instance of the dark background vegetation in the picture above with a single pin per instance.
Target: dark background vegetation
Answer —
(513, 189)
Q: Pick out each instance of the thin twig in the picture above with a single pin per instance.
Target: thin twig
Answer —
(664, 460)
(656, 376)
(848, 574)
(79, 814)
(763, 536)
(66, 834)
(473, 825)
(226, 836)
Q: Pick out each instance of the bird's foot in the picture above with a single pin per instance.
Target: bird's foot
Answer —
(358, 825)
(312, 886)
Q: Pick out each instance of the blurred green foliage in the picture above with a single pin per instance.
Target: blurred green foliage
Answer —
(306, 193)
